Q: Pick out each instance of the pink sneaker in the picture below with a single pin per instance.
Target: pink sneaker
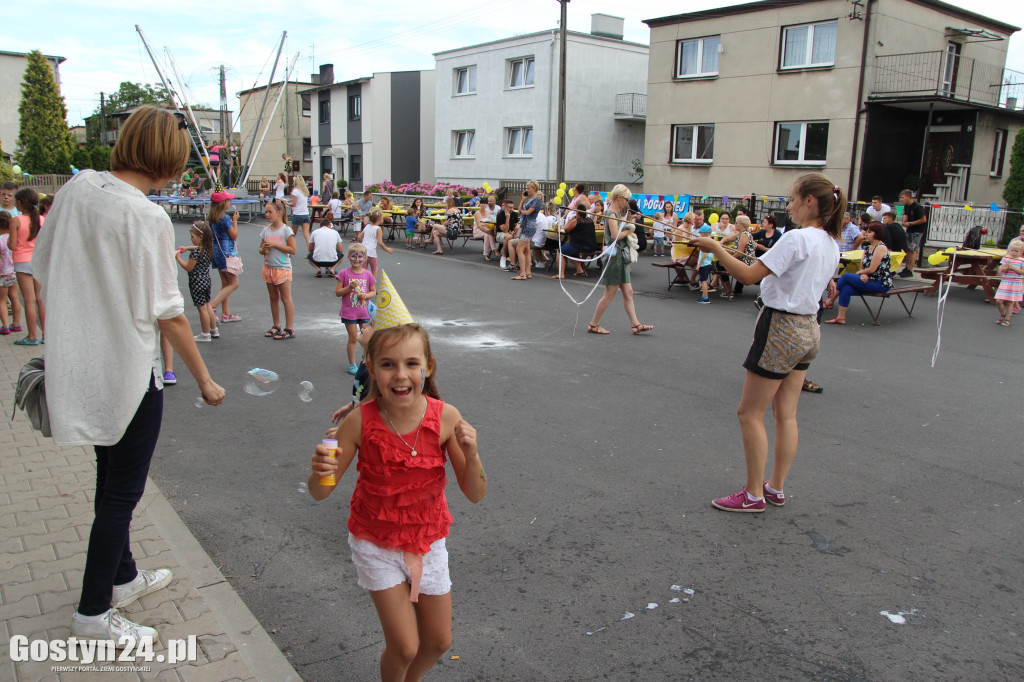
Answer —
(739, 502)
(778, 499)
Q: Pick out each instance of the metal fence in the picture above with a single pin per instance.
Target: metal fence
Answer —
(947, 75)
(948, 225)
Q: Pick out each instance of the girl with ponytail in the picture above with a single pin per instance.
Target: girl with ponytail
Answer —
(793, 274)
(23, 230)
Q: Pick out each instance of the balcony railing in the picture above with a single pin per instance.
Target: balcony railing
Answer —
(631, 105)
(942, 74)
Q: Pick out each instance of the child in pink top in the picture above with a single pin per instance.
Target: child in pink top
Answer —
(21, 240)
(8, 282)
(356, 285)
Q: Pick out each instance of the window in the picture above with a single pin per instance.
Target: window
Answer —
(307, 149)
(306, 111)
(465, 143)
(520, 72)
(998, 154)
(325, 165)
(809, 45)
(355, 107)
(693, 143)
(519, 141)
(325, 111)
(465, 80)
(355, 167)
(698, 57)
(801, 143)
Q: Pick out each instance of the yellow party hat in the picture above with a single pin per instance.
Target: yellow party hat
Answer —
(389, 309)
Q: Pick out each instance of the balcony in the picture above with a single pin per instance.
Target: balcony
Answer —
(631, 106)
(923, 75)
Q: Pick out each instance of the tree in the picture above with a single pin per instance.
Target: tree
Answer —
(1013, 190)
(133, 94)
(44, 141)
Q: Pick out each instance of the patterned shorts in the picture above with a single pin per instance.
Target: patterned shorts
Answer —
(8, 281)
(783, 342)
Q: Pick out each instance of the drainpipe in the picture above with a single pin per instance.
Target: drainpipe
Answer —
(551, 97)
(860, 99)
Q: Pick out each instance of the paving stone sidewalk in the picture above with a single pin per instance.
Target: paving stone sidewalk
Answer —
(46, 494)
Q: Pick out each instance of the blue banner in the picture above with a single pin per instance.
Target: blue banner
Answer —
(650, 204)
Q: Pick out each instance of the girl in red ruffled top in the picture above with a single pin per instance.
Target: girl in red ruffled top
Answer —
(399, 516)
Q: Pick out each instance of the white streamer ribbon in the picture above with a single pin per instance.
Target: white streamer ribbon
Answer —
(940, 307)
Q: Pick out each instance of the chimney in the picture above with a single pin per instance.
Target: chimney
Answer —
(314, 78)
(607, 26)
(326, 74)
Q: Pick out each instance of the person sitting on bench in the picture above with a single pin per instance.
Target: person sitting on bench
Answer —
(874, 276)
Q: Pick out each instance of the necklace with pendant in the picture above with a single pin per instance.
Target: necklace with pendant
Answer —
(395, 430)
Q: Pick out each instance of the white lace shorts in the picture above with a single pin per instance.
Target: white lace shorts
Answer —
(381, 569)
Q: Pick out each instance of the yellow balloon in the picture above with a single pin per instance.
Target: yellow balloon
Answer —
(951, 250)
(713, 220)
(562, 186)
(937, 258)
(560, 192)
(557, 200)
(571, 192)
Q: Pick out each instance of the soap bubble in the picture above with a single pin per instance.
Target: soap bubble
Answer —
(261, 382)
(306, 392)
(200, 402)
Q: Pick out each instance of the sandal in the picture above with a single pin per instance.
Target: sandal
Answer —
(552, 277)
(835, 320)
(318, 274)
(286, 333)
(1005, 323)
(596, 329)
(812, 387)
(827, 305)
(641, 328)
(230, 318)
(272, 332)
(580, 274)
(520, 277)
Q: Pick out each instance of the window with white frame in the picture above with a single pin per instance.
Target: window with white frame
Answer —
(998, 154)
(465, 80)
(464, 143)
(520, 72)
(518, 141)
(809, 45)
(801, 142)
(698, 57)
(693, 143)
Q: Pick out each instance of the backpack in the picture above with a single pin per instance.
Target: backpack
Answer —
(973, 238)
(30, 395)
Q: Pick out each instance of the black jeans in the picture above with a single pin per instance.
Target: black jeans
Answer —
(121, 472)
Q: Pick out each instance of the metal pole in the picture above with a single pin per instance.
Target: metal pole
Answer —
(183, 95)
(924, 151)
(280, 92)
(560, 149)
(167, 87)
(263, 106)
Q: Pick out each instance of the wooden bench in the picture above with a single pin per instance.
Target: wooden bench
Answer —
(899, 293)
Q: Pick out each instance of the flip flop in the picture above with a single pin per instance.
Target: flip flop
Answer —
(835, 320)
(520, 277)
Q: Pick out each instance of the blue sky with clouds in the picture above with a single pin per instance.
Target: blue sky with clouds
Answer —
(102, 48)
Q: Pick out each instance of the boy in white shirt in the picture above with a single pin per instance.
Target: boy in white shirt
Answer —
(325, 248)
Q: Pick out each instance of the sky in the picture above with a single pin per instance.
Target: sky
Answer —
(102, 48)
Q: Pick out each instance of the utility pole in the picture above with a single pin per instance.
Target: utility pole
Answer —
(560, 149)
(225, 130)
(103, 118)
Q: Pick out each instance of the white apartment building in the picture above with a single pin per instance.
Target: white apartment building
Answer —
(497, 107)
(376, 128)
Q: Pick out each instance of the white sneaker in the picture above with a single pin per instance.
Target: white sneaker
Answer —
(503, 263)
(112, 626)
(202, 338)
(215, 333)
(145, 582)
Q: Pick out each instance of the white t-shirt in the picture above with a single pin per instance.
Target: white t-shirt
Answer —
(279, 188)
(325, 244)
(544, 223)
(106, 263)
(301, 203)
(801, 262)
(877, 215)
(370, 232)
(335, 205)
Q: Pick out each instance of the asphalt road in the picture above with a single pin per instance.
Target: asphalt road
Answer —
(596, 553)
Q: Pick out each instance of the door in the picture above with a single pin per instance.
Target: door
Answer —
(939, 156)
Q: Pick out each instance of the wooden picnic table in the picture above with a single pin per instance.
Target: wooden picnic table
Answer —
(972, 268)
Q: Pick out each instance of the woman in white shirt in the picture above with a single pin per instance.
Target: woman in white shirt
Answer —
(787, 336)
(299, 203)
(105, 264)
